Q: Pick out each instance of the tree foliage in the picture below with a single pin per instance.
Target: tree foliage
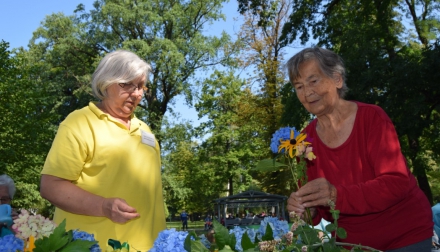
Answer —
(263, 52)
(25, 125)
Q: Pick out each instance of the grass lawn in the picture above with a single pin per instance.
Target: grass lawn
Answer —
(191, 225)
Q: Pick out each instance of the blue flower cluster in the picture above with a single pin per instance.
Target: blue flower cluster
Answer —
(279, 227)
(204, 240)
(81, 235)
(238, 233)
(11, 243)
(281, 134)
(170, 240)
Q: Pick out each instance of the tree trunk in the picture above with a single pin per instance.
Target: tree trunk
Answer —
(424, 185)
(418, 170)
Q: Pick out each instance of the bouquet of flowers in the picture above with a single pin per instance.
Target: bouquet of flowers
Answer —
(39, 234)
(294, 149)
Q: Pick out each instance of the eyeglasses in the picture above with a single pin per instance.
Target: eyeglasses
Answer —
(5, 200)
(129, 87)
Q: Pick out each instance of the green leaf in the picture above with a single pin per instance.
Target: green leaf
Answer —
(58, 239)
(226, 249)
(197, 246)
(232, 241)
(221, 235)
(335, 214)
(246, 242)
(78, 245)
(187, 244)
(308, 235)
(268, 236)
(341, 233)
(330, 227)
(268, 165)
(328, 246)
(251, 249)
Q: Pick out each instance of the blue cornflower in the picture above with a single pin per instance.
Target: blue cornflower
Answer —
(281, 135)
(279, 227)
(10, 243)
(170, 240)
(81, 235)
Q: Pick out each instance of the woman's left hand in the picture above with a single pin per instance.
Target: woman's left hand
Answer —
(318, 192)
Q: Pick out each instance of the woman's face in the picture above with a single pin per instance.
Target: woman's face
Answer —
(121, 102)
(317, 92)
(4, 195)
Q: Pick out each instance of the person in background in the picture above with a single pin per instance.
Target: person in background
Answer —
(436, 218)
(184, 219)
(7, 189)
(7, 192)
(359, 165)
(208, 222)
(103, 170)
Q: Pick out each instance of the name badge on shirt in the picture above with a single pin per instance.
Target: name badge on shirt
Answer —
(148, 139)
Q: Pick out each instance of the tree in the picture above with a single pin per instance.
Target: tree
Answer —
(25, 125)
(232, 144)
(263, 51)
(169, 35)
(384, 62)
(197, 172)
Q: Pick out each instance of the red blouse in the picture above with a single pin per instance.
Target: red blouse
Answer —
(380, 204)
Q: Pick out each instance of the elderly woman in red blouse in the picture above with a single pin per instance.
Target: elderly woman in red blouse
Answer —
(359, 164)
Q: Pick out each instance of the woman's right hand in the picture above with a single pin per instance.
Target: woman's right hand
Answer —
(294, 204)
(117, 210)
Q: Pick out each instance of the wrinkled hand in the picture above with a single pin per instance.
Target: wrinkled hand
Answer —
(118, 210)
(317, 192)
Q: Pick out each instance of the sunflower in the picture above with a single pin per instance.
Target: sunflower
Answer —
(293, 143)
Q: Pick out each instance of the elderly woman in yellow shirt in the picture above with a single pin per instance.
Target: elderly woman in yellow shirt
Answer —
(103, 170)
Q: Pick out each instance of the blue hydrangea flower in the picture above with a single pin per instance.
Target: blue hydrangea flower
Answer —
(170, 240)
(281, 134)
(81, 235)
(205, 241)
(11, 243)
(238, 233)
(279, 227)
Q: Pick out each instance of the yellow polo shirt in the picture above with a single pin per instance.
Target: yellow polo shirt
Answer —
(99, 155)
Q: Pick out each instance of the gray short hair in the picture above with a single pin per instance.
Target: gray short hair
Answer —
(5, 180)
(329, 62)
(120, 66)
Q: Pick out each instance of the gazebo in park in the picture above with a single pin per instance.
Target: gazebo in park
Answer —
(248, 200)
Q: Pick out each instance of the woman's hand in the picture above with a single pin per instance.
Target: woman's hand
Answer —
(295, 205)
(318, 192)
(118, 210)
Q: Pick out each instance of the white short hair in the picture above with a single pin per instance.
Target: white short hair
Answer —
(5, 180)
(120, 66)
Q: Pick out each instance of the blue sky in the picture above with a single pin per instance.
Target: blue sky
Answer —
(20, 18)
